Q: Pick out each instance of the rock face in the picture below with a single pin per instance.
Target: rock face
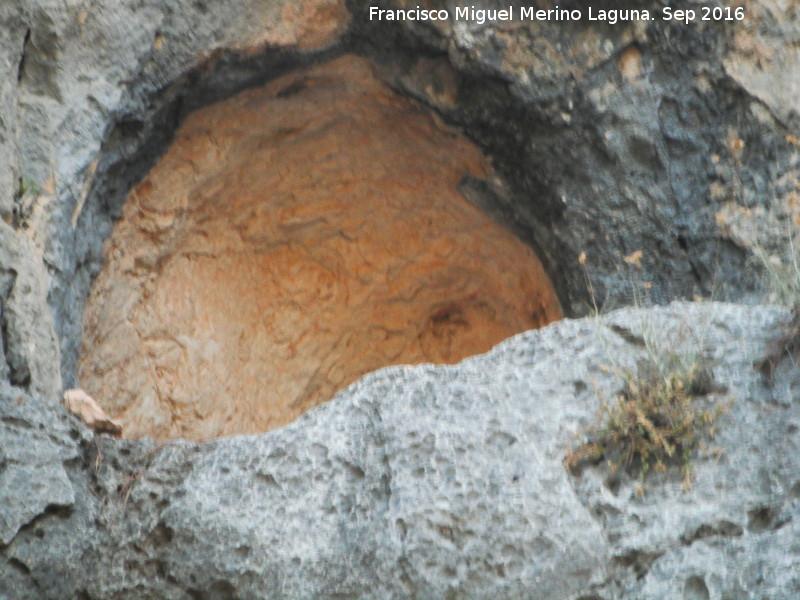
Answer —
(292, 239)
(672, 145)
(642, 137)
(427, 482)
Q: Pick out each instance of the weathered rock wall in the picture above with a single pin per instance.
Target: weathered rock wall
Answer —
(633, 136)
(421, 482)
(293, 238)
(606, 139)
(85, 87)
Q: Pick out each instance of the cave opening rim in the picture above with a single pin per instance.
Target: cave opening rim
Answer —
(101, 204)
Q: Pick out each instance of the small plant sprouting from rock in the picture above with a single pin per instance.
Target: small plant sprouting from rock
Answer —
(27, 186)
(27, 193)
(655, 422)
(659, 419)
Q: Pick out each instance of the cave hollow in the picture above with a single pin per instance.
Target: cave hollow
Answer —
(291, 239)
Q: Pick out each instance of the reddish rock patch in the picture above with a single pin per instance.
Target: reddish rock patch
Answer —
(292, 239)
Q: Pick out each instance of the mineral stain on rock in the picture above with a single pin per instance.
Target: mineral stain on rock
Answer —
(292, 239)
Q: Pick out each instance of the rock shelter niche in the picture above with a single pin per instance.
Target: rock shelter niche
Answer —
(292, 239)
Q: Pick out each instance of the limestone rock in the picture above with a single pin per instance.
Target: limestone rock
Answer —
(82, 405)
(427, 481)
(423, 481)
(765, 50)
(614, 145)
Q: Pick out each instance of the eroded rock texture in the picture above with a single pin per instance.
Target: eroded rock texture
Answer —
(292, 239)
(427, 482)
(679, 141)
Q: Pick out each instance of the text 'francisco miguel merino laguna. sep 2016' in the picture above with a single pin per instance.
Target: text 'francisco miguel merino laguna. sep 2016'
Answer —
(530, 13)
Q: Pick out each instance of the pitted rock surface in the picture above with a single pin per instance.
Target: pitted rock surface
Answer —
(427, 482)
(292, 239)
(677, 141)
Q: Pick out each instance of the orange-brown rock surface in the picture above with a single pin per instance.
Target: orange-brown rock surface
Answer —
(292, 239)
